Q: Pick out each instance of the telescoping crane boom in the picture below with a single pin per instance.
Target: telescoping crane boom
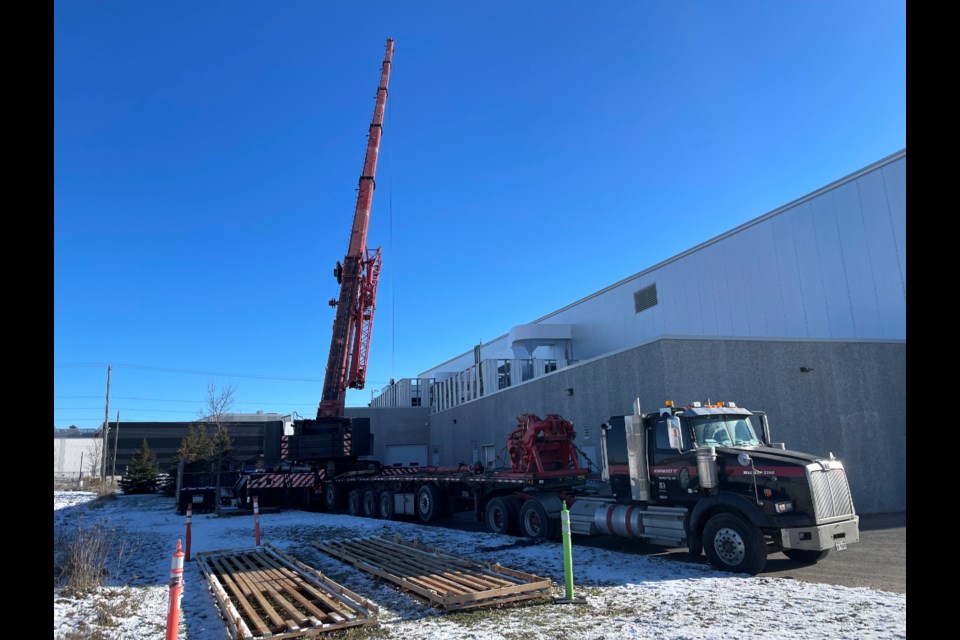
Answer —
(357, 276)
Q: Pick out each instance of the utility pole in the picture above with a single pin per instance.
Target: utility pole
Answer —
(116, 439)
(106, 429)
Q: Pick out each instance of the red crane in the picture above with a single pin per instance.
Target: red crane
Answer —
(357, 276)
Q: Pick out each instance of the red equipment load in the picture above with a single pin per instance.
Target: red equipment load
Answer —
(542, 444)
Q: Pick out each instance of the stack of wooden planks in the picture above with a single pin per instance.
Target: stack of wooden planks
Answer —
(444, 581)
(263, 592)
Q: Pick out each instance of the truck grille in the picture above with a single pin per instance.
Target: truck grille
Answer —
(831, 493)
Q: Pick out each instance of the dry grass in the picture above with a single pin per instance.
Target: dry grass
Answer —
(80, 557)
(83, 556)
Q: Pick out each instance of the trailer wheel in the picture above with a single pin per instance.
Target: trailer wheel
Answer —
(428, 502)
(806, 556)
(734, 545)
(500, 515)
(534, 522)
(371, 504)
(386, 505)
(333, 497)
(355, 502)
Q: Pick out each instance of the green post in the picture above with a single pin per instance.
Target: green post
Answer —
(567, 551)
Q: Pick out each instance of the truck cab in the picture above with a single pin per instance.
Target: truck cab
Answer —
(740, 495)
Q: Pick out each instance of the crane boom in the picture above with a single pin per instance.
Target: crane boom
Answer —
(358, 277)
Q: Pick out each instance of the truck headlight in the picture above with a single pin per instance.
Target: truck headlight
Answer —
(783, 507)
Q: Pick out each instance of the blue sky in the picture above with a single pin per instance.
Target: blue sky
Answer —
(206, 157)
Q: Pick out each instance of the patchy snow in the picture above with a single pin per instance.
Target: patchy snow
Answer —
(627, 595)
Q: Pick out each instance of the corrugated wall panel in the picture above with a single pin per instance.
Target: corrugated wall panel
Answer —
(791, 286)
(809, 270)
(895, 183)
(856, 261)
(833, 274)
(882, 254)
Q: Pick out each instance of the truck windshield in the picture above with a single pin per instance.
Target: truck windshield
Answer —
(725, 431)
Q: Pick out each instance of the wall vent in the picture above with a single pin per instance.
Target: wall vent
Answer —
(645, 298)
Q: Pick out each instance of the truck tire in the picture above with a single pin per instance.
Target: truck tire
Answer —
(806, 556)
(332, 497)
(428, 502)
(371, 504)
(734, 545)
(500, 515)
(534, 521)
(386, 505)
(355, 503)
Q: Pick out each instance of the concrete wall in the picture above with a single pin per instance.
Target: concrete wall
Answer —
(394, 426)
(852, 403)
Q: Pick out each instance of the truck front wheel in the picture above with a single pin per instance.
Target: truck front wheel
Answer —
(806, 556)
(734, 545)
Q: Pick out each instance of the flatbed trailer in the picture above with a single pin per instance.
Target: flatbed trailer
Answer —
(501, 498)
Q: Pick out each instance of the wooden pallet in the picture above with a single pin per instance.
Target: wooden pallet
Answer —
(264, 593)
(442, 580)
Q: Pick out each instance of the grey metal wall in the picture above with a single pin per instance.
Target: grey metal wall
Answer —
(851, 403)
(394, 426)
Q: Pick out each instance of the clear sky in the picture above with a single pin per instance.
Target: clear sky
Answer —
(206, 157)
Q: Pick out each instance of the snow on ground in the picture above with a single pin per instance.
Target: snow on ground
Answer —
(628, 595)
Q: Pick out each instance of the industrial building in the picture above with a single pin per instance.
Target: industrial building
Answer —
(251, 434)
(800, 312)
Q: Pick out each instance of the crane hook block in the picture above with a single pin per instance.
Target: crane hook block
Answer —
(338, 272)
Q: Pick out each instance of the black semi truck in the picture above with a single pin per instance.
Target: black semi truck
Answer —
(706, 476)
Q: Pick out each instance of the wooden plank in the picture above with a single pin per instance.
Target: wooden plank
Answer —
(464, 582)
(471, 582)
(348, 598)
(252, 616)
(472, 578)
(237, 627)
(411, 569)
(404, 583)
(240, 577)
(289, 586)
(446, 581)
(335, 610)
(265, 585)
(345, 600)
(429, 578)
(271, 589)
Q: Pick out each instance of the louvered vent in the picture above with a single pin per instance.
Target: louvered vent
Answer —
(645, 298)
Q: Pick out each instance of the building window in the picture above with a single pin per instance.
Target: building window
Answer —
(645, 298)
(503, 374)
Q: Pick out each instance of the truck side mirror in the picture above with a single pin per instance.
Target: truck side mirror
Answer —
(676, 436)
(765, 428)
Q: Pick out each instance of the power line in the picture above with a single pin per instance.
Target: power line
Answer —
(304, 404)
(187, 371)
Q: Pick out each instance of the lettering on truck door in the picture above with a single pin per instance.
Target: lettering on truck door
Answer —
(673, 475)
